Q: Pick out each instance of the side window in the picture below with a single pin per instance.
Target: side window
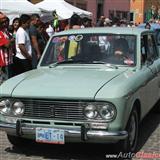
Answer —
(148, 48)
(143, 49)
(152, 51)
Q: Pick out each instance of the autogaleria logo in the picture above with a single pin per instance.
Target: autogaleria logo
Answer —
(139, 155)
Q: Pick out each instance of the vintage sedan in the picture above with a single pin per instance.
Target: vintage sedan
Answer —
(92, 85)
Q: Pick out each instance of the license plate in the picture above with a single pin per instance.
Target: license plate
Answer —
(49, 135)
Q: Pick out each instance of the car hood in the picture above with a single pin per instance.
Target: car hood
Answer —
(64, 83)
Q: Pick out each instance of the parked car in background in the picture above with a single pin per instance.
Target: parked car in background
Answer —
(92, 85)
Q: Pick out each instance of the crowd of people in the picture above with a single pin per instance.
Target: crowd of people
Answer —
(22, 43)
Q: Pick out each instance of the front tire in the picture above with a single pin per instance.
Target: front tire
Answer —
(156, 108)
(130, 143)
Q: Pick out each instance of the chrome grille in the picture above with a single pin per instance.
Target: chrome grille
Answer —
(48, 109)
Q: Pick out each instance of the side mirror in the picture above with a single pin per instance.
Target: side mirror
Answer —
(149, 61)
(158, 50)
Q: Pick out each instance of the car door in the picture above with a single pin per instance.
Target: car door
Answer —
(151, 61)
(155, 58)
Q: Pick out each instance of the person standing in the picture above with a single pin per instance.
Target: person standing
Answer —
(43, 37)
(49, 29)
(33, 32)
(147, 25)
(75, 22)
(6, 54)
(23, 57)
(13, 30)
(101, 21)
(15, 26)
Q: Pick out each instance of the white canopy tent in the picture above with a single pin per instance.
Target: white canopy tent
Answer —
(63, 9)
(14, 8)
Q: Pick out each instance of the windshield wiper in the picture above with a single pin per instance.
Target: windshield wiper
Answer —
(106, 64)
(69, 61)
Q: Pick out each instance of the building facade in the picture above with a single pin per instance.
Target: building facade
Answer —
(131, 10)
(142, 10)
(108, 8)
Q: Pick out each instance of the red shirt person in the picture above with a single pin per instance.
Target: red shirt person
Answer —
(4, 42)
(6, 55)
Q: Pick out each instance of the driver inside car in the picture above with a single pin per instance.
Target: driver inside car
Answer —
(121, 52)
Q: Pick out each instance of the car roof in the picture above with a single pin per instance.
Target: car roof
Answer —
(110, 30)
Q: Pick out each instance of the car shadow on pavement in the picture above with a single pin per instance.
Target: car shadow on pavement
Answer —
(84, 151)
(147, 129)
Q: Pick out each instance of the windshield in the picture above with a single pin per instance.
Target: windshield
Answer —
(91, 49)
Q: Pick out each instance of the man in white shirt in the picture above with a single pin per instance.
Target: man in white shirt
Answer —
(23, 56)
(50, 30)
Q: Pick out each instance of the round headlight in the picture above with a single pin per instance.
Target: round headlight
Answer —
(107, 112)
(90, 111)
(5, 106)
(18, 108)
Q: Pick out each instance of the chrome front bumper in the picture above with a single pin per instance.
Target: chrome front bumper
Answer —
(71, 134)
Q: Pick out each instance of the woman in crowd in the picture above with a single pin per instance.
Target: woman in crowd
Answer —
(13, 30)
(15, 26)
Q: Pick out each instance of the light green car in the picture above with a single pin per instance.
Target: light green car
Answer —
(92, 85)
